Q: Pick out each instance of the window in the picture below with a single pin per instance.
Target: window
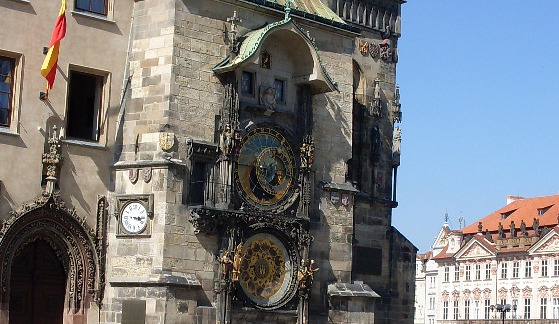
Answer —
(7, 69)
(94, 6)
(515, 268)
(556, 267)
(543, 308)
(85, 96)
(446, 274)
(487, 308)
(504, 270)
(247, 83)
(478, 271)
(555, 307)
(528, 269)
(544, 268)
(487, 271)
(455, 309)
(199, 177)
(432, 281)
(445, 310)
(466, 309)
(468, 273)
(457, 273)
(279, 85)
(432, 303)
(527, 308)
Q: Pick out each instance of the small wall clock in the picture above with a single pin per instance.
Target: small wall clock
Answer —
(134, 215)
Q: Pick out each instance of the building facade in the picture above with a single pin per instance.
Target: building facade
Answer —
(202, 162)
(509, 257)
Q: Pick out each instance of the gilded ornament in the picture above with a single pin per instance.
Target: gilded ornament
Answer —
(166, 141)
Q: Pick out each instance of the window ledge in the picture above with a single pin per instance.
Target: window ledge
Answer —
(90, 15)
(7, 131)
(84, 144)
(23, 1)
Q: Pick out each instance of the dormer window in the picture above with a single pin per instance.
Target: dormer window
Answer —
(505, 215)
(542, 211)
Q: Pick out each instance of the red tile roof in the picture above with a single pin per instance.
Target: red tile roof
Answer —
(522, 209)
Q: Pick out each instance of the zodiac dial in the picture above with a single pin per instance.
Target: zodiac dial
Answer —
(266, 270)
(265, 168)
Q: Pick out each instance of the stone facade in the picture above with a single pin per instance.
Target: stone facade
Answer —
(244, 169)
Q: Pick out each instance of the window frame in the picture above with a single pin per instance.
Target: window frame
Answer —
(15, 92)
(516, 269)
(543, 308)
(102, 110)
(528, 269)
(467, 273)
(107, 6)
(504, 270)
(488, 271)
(446, 274)
(478, 271)
(544, 268)
(527, 310)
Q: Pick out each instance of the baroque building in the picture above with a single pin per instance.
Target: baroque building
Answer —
(230, 161)
(510, 257)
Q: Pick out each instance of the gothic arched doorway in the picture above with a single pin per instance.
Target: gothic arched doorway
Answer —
(38, 286)
(50, 269)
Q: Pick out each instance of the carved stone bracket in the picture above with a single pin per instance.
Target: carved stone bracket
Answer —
(213, 221)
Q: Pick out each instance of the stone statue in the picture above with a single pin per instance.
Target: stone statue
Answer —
(512, 229)
(523, 228)
(479, 227)
(536, 226)
(396, 141)
(488, 236)
(237, 259)
(500, 231)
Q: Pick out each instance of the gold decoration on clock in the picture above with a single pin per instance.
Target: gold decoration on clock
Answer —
(262, 269)
(265, 170)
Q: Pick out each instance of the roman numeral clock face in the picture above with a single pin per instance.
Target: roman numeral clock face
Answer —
(265, 169)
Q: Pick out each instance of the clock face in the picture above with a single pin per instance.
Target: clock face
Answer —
(266, 270)
(134, 218)
(265, 168)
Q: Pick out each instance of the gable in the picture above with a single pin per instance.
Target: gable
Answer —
(473, 250)
(549, 244)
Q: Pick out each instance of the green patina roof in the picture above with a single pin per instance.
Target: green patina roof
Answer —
(315, 7)
(252, 41)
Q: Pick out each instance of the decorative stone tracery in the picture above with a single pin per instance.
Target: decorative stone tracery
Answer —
(75, 244)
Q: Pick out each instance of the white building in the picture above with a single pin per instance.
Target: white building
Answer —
(510, 257)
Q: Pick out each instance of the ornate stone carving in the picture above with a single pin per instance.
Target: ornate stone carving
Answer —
(53, 159)
(49, 219)
(396, 106)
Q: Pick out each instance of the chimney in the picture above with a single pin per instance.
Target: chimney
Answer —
(511, 199)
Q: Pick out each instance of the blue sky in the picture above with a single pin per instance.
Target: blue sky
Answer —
(479, 91)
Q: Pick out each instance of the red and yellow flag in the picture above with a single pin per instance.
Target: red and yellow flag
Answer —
(48, 69)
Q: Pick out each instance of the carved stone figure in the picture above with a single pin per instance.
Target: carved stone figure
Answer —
(512, 229)
(479, 227)
(536, 226)
(268, 99)
(500, 231)
(523, 228)
(396, 141)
